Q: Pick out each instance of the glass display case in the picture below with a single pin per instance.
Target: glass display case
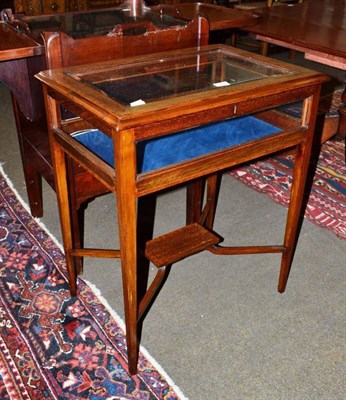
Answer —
(140, 83)
(151, 123)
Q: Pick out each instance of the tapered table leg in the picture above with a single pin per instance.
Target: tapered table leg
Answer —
(61, 184)
(194, 200)
(127, 220)
(300, 172)
(59, 162)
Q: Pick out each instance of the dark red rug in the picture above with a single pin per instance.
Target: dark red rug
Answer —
(326, 206)
(53, 346)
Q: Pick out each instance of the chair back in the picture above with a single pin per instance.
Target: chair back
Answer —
(124, 40)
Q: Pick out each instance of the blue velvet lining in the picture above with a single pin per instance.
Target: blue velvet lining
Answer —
(163, 151)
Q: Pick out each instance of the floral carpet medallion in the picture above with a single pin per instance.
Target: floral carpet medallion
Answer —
(53, 346)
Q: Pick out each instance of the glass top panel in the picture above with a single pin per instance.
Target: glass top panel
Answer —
(95, 23)
(145, 82)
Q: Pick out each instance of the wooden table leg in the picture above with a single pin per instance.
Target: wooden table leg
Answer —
(293, 216)
(213, 189)
(61, 183)
(194, 200)
(59, 162)
(300, 172)
(127, 221)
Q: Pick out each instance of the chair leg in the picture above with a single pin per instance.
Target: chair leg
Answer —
(234, 39)
(33, 179)
(33, 182)
(264, 48)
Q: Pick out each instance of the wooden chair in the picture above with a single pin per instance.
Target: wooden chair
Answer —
(62, 50)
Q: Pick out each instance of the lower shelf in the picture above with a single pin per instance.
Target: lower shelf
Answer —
(181, 243)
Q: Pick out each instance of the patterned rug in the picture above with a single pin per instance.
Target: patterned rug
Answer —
(53, 346)
(327, 201)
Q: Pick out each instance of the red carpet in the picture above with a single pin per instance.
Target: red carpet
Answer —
(327, 201)
(53, 346)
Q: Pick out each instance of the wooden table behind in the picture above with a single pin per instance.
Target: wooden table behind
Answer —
(316, 27)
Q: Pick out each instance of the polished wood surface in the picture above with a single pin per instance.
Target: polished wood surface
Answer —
(219, 17)
(318, 28)
(21, 57)
(14, 45)
(166, 115)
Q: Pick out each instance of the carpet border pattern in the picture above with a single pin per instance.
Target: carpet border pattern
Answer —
(326, 206)
(44, 334)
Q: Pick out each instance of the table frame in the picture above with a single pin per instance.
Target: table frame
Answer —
(129, 187)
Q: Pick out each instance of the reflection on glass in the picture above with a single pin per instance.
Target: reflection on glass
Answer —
(143, 82)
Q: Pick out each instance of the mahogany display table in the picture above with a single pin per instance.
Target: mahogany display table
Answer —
(158, 121)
